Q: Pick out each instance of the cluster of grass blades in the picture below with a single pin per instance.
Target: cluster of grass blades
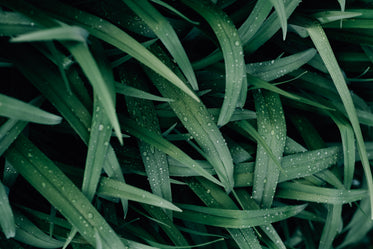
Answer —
(186, 124)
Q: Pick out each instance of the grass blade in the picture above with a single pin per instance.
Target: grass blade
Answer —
(232, 52)
(274, 69)
(144, 113)
(7, 219)
(166, 33)
(230, 218)
(113, 188)
(322, 45)
(298, 191)
(280, 11)
(199, 123)
(43, 175)
(136, 93)
(16, 109)
(272, 127)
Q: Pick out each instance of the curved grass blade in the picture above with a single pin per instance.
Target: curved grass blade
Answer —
(302, 192)
(230, 218)
(144, 113)
(272, 128)
(271, 70)
(113, 188)
(49, 181)
(19, 110)
(199, 123)
(348, 145)
(162, 144)
(236, 84)
(255, 20)
(322, 45)
(64, 33)
(101, 129)
(166, 33)
(137, 93)
(6, 214)
(280, 11)
(30, 234)
(325, 17)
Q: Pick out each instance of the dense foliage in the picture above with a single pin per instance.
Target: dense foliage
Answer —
(186, 124)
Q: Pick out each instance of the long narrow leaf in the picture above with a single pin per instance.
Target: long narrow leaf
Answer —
(232, 52)
(322, 45)
(297, 191)
(16, 109)
(118, 189)
(229, 218)
(7, 219)
(272, 127)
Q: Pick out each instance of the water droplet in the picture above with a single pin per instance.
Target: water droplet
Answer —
(90, 215)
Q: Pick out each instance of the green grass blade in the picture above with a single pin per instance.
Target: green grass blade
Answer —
(166, 33)
(30, 234)
(7, 219)
(64, 33)
(49, 181)
(144, 113)
(167, 147)
(16, 109)
(113, 188)
(137, 93)
(280, 11)
(9, 132)
(199, 123)
(272, 128)
(230, 218)
(322, 45)
(87, 62)
(325, 17)
(100, 135)
(273, 69)
(348, 145)
(232, 52)
(333, 226)
(256, 18)
(298, 191)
